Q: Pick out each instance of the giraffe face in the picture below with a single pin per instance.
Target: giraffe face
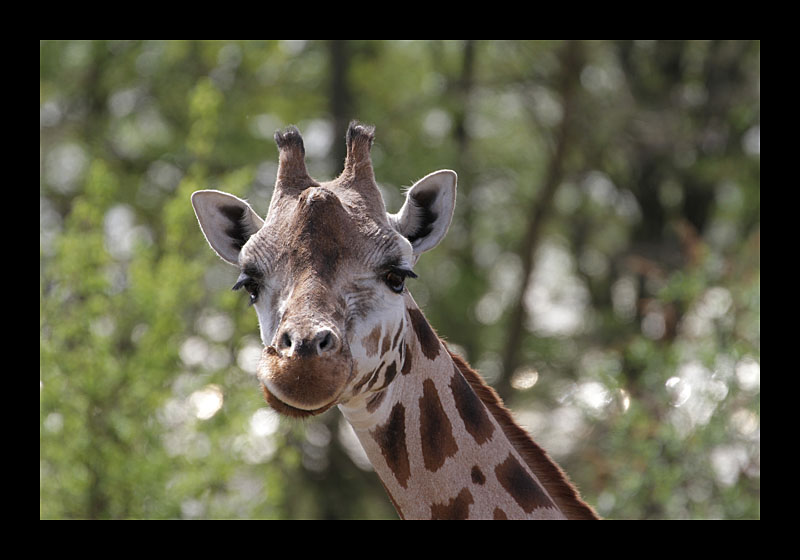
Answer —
(326, 273)
(327, 280)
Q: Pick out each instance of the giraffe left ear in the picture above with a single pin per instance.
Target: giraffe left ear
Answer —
(427, 211)
(227, 222)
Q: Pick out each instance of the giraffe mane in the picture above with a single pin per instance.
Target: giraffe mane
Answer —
(546, 470)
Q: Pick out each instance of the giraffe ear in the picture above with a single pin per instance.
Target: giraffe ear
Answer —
(427, 211)
(226, 221)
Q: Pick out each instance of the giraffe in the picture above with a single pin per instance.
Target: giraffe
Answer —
(326, 272)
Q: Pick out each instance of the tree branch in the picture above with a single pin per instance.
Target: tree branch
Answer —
(571, 62)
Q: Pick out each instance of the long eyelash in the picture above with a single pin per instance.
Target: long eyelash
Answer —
(243, 280)
(404, 272)
(249, 283)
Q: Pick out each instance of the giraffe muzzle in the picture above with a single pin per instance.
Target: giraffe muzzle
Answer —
(304, 376)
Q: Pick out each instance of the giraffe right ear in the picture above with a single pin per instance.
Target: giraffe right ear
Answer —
(226, 221)
(428, 210)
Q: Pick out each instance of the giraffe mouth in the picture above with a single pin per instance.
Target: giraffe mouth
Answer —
(289, 410)
(306, 386)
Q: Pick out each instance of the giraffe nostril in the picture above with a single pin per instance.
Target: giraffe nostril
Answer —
(322, 343)
(326, 342)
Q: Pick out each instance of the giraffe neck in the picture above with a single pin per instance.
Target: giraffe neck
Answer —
(445, 447)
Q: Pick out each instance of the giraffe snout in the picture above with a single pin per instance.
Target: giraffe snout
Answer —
(318, 342)
(305, 370)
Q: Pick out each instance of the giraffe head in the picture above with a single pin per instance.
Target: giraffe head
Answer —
(326, 270)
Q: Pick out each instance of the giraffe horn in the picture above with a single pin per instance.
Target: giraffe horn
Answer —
(358, 163)
(291, 158)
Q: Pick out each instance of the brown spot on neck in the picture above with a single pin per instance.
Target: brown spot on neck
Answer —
(391, 438)
(456, 508)
(375, 376)
(470, 408)
(525, 490)
(385, 345)
(407, 360)
(374, 402)
(397, 334)
(391, 371)
(428, 341)
(435, 429)
(499, 514)
(477, 476)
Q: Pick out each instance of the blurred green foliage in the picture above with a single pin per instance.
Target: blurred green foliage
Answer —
(602, 270)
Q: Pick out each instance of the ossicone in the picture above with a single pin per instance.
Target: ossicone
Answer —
(357, 132)
(290, 138)
(359, 142)
(291, 159)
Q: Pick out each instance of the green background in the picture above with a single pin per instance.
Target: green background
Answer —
(602, 270)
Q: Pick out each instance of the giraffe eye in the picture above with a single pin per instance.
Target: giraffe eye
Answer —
(395, 279)
(248, 283)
